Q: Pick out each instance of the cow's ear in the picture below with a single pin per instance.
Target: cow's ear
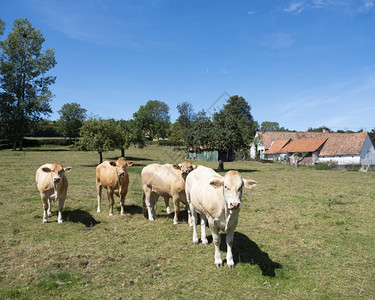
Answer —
(249, 184)
(195, 166)
(217, 183)
(67, 169)
(112, 163)
(177, 167)
(129, 163)
(46, 169)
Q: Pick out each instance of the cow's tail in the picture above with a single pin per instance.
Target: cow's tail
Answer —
(144, 210)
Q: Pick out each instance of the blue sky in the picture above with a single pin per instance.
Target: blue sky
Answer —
(300, 63)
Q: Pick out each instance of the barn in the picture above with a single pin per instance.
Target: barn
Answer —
(343, 149)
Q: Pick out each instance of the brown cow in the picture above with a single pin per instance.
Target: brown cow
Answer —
(115, 179)
(167, 181)
(52, 185)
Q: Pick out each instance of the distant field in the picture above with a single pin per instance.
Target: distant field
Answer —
(302, 234)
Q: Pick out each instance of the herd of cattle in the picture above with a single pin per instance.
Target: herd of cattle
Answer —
(216, 198)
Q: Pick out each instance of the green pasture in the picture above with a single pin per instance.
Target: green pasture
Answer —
(302, 234)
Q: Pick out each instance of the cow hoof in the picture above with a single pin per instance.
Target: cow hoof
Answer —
(98, 210)
(218, 265)
(110, 214)
(205, 242)
(230, 266)
(45, 221)
(60, 221)
(195, 242)
(175, 223)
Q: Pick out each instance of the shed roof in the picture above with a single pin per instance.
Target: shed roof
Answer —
(276, 146)
(336, 143)
(306, 145)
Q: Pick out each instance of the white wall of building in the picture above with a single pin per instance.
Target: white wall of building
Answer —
(367, 152)
(341, 159)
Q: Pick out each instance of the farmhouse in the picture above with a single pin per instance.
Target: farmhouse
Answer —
(345, 149)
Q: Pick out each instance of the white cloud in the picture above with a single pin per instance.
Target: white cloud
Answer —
(295, 8)
(251, 13)
(366, 5)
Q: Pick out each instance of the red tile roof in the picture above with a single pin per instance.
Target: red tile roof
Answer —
(307, 145)
(276, 146)
(336, 144)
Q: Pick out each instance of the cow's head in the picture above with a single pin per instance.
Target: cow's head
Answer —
(57, 170)
(232, 184)
(121, 164)
(185, 168)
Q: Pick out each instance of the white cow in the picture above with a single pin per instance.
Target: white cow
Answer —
(52, 185)
(218, 200)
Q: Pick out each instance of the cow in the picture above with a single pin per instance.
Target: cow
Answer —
(167, 181)
(218, 200)
(52, 185)
(115, 179)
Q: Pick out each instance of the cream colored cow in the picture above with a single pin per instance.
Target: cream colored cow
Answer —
(218, 200)
(115, 179)
(167, 181)
(52, 185)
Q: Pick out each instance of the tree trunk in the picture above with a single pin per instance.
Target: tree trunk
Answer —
(21, 144)
(101, 157)
(123, 152)
(221, 165)
(14, 145)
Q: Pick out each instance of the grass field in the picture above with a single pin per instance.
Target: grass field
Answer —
(302, 234)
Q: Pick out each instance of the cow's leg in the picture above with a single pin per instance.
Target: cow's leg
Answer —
(99, 192)
(166, 200)
(176, 205)
(194, 224)
(147, 199)
(49, 208)
(111, 201)
(61, 206)
(154, 199)
(203, 229)
(229, 240)
(45, 207)
(216, 239)
(122, 200)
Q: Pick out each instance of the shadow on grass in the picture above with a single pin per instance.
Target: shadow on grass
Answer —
(79, 216)
(239, 170)
(182, 215)
(246, 251)
(131, 209)
(134, 158)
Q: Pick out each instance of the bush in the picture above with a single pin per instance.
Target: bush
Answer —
(321, 166)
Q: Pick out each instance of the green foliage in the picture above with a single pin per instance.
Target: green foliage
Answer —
(72, 116)
(319, 129)
(153, 119)
(97, 135)
(321, 166)
(372, 136)
(26, 95)
(2, 27)
(200, 133)
(127, 133)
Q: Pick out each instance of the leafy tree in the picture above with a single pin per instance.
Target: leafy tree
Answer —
(2, 27)
(234, 127)
(153, 119)
(127, 134)
(319, 129)
(72, 116)
(24, 93)
(372, 136)
(97, 135)
(181, 127)
(200, 133)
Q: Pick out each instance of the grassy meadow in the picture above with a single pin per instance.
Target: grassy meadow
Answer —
(302, 234)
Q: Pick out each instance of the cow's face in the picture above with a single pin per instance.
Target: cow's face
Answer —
(57, 171)
(121, 164)
(233, 184)
(185, 168)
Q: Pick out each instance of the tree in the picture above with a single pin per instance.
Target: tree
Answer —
(2, 27)
(72, 116)
(372, 136)
(270, 126)
(181, 127)
(319, 129)
(153, 119)
(234, 127)
(24, 94)
(200, 133)
(127, 134)
(97, 135)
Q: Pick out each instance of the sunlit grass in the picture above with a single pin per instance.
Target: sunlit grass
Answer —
(303, 233)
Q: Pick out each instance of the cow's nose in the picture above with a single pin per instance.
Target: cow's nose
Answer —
(56, 179)
(235, 205)
(121, 173)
